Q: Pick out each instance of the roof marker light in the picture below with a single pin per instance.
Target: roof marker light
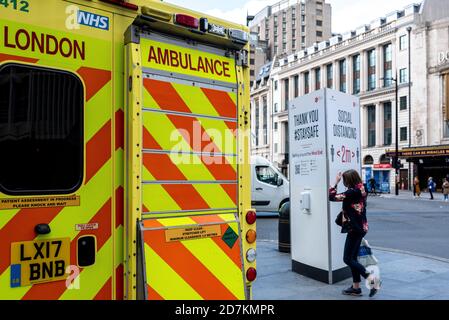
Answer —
(122, 3)
(157, 14)
(239, 35)
(187, 21)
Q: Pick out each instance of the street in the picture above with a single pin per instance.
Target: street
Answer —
(419, 226)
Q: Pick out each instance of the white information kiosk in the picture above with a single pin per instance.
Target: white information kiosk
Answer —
(324, 140)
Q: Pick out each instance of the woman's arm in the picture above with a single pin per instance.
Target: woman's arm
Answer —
(336, 197)
(333, 195)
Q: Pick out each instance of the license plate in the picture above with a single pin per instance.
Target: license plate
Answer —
(39, 261)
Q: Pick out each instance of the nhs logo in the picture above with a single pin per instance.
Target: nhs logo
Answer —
(93, 20)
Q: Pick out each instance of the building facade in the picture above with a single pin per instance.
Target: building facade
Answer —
(369, 62)
(292, 25)
(286, 27)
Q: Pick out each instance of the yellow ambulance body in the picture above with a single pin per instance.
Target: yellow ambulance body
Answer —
(124, 162)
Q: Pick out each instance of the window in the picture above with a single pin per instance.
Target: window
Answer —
(368, 160)
(356, 74)
(265, 120)
(387, 124)
(371, 126)
(303, 18)
(371, 70)
(303, 40)
(306, 82)
(284, 46)
(446, 105)
(318, 79)
(384, 159)
(257, 118)
(293, 43)
(286, 93)
(42, 133)
(319, 12)
(319, 33)
(276, 107)
(388, 66)
(303, 28)
(275, 126)
(319, 23)
(275, 148)
(275, 49)
(296, 84)
(267, 175)
(403, 42)
(403, 76)
(403, 135)
(342, 67)
(403, 103)
(276, 85)
(330, 75)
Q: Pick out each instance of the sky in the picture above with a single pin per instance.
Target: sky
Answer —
(346, 14)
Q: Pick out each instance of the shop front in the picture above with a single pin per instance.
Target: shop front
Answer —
(427, 162)
(382, 176)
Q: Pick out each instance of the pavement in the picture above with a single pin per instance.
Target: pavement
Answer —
(405, 276)
(408, 195)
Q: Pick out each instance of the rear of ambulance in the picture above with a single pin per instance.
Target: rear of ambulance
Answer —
(190, 231)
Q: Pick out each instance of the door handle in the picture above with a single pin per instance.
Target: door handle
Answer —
(259, 189)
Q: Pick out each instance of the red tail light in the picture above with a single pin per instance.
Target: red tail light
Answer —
(251, 274)
(251, 217)
(123, 4)
(187, 21)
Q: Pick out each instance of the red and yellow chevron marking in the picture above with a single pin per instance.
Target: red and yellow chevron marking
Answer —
(193, 269)
(96, 203)
(188, 133)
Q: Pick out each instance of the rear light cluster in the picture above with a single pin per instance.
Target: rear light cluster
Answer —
(251, 233)
(251, 237)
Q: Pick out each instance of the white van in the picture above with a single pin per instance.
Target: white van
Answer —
(269, 187)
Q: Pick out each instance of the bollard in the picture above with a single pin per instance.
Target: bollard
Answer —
(284, 227)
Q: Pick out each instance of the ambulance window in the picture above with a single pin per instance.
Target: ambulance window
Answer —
(41, 131)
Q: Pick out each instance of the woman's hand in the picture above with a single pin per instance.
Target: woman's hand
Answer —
(338, 179)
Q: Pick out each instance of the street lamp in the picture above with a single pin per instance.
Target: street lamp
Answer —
(396, 152)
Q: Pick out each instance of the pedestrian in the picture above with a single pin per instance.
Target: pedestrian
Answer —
(416, 188)
(372, 184)
(354, 223)
(446, 189)
(431, 187)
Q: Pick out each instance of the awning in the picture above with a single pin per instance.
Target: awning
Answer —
(421, 152)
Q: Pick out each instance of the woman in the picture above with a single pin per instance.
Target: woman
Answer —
(446, 189)
(354, 223)
(416, 188)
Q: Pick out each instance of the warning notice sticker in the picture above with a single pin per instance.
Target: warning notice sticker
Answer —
(39, 202)
(197, 232)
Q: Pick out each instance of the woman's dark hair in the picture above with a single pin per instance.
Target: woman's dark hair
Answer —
(351, 178)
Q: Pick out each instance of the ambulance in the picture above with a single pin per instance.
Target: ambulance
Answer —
(124, 153)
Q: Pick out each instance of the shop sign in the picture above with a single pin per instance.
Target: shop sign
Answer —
(382, 166)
